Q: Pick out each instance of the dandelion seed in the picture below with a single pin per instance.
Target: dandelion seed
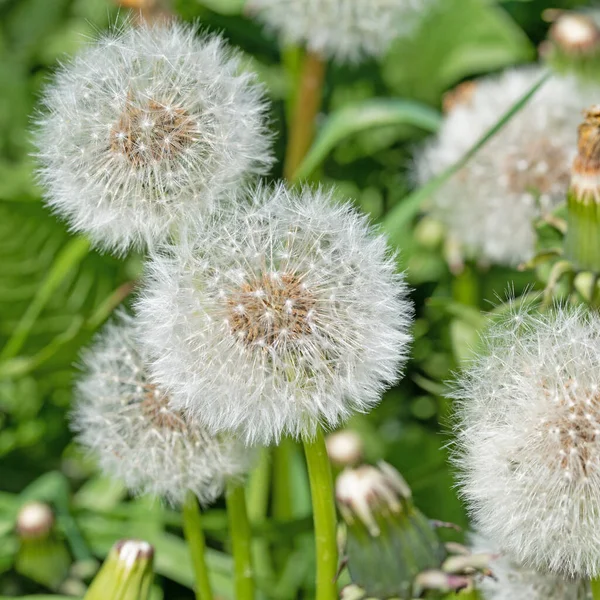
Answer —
(127, 423)
(276, 317)
(143, 128)
(527, 440)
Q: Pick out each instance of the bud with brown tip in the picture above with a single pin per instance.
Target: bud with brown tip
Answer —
(582, 243)
(126, 574)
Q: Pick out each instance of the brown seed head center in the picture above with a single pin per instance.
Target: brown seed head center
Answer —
(271, 309)
(144, 135)
(155, 408)
(573, 427)
(540, 167)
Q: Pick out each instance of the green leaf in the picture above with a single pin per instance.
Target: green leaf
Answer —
(66, 261)
(42, 597)
(458, 39)
(397, 219)
(353, 119)
(225, 7)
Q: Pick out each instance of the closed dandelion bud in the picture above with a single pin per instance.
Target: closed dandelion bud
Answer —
(42, 556)
(276, 317)
(491, 205)
(141, 126)
(574, 44)
(126, 573)
(528, 439)
(127, 423)
(582, 243)
(389, 542)
(513, 582)
(345, 31)
(344, 448)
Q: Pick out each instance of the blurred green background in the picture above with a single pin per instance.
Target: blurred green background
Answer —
(54, 293)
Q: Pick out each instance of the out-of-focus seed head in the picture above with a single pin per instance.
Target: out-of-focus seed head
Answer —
(490, 206)
(281, 315)
(144, 128)
(345, 31)
(127, 423)
(528, 434)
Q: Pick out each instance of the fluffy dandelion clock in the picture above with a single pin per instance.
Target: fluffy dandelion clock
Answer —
(528, 439)
(490, 206)
(510, 581)
(141, 125)
(346, 30)
(126, 422)
(276, 316)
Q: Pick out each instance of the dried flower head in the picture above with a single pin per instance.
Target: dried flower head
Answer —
(512, 582)
(127, 423)
(141, 126)
(276, 317)
(346, 31)
(528, 439)
(490, 206)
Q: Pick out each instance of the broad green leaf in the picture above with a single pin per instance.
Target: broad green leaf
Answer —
(401, 215)
(458, 39)
(353, 119)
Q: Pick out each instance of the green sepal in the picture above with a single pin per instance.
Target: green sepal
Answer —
(582, 242)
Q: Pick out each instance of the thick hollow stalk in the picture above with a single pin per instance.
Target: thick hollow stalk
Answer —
(241, 541)
(321, 487)
(192, 528)
(308, 103)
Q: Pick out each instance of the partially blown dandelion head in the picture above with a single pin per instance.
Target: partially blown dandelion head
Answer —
(346, 30)
(490, 206)
(277, 316)
(126, 422)
(529, 439)
(144, 126)
(510, 581)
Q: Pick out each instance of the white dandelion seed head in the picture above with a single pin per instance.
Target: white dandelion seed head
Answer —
(528, 439)
(126, 422)
(510, 581)
(141, 126)
(277, 316)
(489, 207)
(346, 30)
